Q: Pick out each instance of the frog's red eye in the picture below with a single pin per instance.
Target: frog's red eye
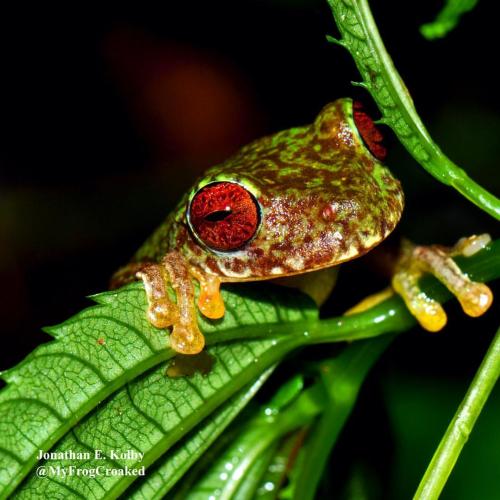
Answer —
(224, 215)
(370, 134)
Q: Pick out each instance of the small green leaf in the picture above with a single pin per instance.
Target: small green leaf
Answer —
(447, 18)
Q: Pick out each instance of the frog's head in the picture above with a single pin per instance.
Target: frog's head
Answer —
(297, 201)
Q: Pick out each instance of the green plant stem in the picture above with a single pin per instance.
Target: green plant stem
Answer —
(342, 377)
(254, 475)
(390, 316)
(460, 427)
(447, 18)
(360, 36)
(337, 386)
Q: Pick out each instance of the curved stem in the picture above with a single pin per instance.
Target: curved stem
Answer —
(342, 377)
(361, 38)
(460, 427)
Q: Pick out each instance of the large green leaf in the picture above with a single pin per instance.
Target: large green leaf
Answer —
(148, 417)
(97, 352)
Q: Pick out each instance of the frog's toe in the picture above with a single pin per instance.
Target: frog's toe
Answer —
(428, 312)
(470, 245)
(187, 339)
(475, 298)
(210, 302)
(162, 313)
(210, 307)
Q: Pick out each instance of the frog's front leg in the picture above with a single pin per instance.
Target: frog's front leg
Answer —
(415, 261)
(186, 337)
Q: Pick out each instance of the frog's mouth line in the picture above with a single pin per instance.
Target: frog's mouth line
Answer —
(286, 273)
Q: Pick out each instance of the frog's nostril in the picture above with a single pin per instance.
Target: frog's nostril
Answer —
(328, 213)
(371, 135)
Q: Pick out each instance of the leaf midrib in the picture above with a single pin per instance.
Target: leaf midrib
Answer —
(254, 331)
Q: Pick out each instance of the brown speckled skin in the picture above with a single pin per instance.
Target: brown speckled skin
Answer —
(324, 200)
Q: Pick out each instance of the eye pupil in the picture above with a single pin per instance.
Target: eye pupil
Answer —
(218, 215)
(224, 215)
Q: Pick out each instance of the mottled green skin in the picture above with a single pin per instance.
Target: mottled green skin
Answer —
(325, 199)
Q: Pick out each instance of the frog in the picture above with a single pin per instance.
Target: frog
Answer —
(292, 205)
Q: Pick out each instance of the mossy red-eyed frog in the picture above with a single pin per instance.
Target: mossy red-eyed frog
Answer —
(301, 200)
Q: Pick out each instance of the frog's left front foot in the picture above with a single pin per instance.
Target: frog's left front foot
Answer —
(186, 337)
(415, 261)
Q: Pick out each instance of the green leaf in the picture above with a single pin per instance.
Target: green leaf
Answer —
(151, 414)
(361, 38)
(238, 471)
(97, 352)
(342, 378)
(253, 448)
(175, 464)
(277, 471)
(447, 18)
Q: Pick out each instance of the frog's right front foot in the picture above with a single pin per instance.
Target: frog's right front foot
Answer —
(475, 298)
